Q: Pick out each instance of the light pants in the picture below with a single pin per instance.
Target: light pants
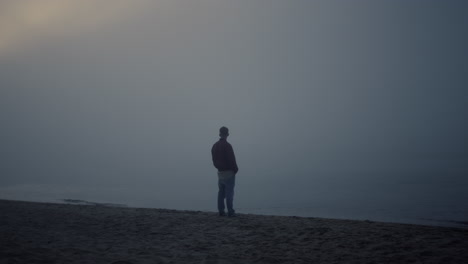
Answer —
(226, 182)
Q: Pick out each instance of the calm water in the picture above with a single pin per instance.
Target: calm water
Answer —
(374, 210)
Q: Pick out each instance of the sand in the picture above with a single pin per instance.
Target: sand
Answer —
(63, 233)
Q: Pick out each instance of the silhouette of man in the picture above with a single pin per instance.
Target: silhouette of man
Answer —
(224, 160)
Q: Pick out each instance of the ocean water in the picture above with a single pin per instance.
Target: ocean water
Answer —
(374, 210)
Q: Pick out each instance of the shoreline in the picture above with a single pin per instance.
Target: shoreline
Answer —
(306, 212)
(33, 232)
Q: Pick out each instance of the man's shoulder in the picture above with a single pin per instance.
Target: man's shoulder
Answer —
(222, 143)
(226, 143)
(219, 142)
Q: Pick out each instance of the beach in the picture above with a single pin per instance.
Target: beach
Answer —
(33, 232)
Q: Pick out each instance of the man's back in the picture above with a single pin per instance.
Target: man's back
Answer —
(223, 156)
(225, 161)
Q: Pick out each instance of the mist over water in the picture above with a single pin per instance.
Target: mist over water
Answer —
(336, 109)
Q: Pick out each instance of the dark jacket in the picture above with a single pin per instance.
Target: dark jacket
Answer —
(223, 156)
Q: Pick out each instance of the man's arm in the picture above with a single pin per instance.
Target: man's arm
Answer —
(213, 156)
(232, 159)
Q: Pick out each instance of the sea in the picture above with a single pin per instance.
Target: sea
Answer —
(420, 214)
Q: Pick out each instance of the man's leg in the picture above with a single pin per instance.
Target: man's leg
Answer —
(221, 197)
(230, 183)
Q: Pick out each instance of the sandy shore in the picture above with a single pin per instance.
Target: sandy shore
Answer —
(63, 233)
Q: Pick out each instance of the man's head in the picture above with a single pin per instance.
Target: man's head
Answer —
(223, 132)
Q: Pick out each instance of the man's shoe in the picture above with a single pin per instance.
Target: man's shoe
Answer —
(232, 215)
(222, 214)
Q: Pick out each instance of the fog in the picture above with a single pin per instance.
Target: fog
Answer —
(328, 102)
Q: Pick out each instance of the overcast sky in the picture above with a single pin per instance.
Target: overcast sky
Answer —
(334, 98)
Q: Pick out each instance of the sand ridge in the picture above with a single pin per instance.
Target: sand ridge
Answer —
(62, 233)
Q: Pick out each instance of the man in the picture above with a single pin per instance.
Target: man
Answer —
(225, 161)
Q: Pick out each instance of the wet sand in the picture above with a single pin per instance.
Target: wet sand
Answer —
(63, 233)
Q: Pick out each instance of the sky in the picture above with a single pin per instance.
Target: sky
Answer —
(328, 102)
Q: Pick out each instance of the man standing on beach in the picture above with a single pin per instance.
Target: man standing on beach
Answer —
(224, 160)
